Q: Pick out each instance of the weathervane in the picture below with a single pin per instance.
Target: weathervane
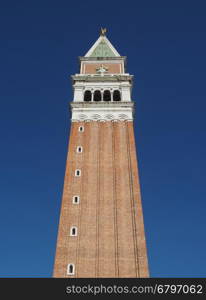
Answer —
(103, 31)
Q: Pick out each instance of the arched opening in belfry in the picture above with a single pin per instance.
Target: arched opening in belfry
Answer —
(97, 96)
(87, 96)
(116, 95)
(107, 95)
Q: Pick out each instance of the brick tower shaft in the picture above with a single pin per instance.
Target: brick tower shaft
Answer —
(101, 230)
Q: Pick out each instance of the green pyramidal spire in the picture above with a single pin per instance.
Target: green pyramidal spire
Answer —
(102, 50)
(102, 47)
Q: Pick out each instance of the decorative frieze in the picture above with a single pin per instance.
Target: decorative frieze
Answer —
(102, 111)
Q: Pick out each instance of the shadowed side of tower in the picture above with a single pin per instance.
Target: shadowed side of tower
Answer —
(101, 230)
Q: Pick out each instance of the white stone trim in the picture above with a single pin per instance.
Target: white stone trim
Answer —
(101, 120)
(102, 114)
(103, 61)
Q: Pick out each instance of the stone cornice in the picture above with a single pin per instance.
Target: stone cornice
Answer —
(99, 78)
(102, 105)
(83, 58)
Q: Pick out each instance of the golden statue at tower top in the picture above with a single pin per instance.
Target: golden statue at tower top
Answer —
(103, 31)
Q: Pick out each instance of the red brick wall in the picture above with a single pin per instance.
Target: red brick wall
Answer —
(88, 68)
(111, 240)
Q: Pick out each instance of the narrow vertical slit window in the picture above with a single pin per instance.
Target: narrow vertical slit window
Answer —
(75, 199)
(81, 128)
(73, 231)
(77, 173)
(70, 269)
(79, 149)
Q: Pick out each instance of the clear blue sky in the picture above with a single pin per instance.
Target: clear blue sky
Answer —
(165, 42)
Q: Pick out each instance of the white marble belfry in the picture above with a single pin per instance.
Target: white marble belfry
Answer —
(103, 80)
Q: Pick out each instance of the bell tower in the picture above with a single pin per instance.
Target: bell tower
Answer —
(101, 230)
